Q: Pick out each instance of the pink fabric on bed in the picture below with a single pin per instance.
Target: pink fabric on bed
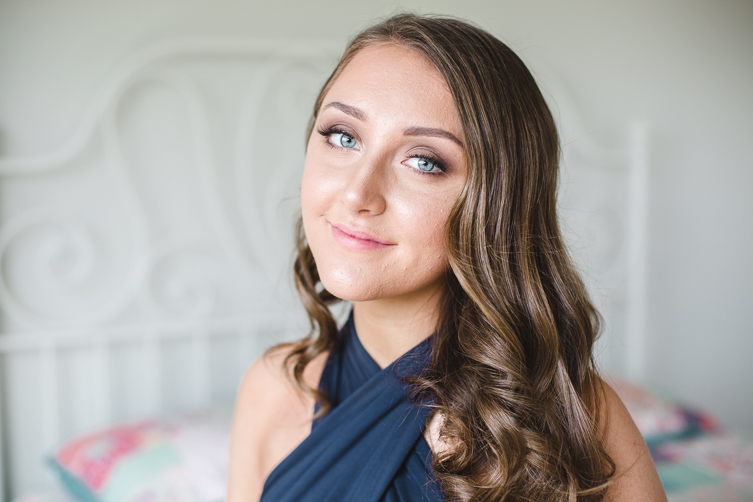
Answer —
(92, 457)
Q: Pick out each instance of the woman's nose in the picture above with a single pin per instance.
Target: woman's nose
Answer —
(363, 192)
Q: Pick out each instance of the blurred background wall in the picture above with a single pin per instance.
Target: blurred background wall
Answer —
(685, 67)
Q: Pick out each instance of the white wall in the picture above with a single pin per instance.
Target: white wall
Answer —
(684, 67)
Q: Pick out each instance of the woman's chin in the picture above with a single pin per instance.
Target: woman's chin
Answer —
(352, 292)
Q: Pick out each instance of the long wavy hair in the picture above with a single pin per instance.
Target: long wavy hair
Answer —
(512, 375)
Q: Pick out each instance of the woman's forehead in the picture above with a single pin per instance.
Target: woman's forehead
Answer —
(393, 78)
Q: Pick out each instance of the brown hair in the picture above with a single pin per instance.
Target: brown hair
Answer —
(516, 327)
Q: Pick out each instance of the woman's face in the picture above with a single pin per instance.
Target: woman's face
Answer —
(384, 165)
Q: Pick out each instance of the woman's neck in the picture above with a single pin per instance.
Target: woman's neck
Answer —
(389, 328)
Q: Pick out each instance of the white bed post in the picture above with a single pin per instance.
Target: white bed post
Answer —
(637, 250)
(48, 360)
(3, 472)
(247, 348)
(152, 400)
(100, 355)
(202, 371)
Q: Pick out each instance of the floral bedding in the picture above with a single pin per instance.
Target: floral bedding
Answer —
(696, 461)
(184, 459)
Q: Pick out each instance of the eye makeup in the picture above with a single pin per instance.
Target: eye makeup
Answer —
(440, 167)
(328, 132)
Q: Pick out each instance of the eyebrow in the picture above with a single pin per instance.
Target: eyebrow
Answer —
(430, 131)
(347, 109)
(411, 131)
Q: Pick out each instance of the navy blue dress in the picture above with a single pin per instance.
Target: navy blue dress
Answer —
(370, 446)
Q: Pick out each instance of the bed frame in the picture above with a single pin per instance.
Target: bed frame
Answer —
(143, 265)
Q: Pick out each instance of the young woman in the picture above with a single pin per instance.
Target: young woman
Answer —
(465, 371)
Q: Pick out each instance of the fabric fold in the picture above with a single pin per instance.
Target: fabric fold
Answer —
(370, 446)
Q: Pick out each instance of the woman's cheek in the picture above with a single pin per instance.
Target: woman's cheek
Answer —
(426, 218)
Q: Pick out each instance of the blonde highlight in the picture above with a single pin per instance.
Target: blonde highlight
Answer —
(512, 373)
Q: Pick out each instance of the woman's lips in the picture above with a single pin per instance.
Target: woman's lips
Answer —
(356, 240)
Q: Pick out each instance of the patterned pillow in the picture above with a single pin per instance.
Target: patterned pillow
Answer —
(714, 467)
(659, 417)
(171, 459)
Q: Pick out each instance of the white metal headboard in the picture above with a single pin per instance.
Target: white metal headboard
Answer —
(145, 261)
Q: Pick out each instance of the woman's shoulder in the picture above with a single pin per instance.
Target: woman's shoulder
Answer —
(270, 377)
(272, 416)
(635, 474)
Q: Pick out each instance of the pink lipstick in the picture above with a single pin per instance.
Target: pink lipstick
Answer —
(356, 240)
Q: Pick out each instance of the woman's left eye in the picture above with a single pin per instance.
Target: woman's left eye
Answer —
(424, 165)
(342, 140)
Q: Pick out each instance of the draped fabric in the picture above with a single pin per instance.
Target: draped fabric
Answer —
(370, 446)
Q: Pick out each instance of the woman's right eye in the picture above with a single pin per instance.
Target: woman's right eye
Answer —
(342, 140)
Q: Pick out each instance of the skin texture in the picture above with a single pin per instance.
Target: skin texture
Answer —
(394, 97)
(374, 187)
(636, 477)
(388, 107)
(272, 416)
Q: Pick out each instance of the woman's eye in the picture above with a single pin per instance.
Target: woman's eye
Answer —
(424, 165)
(342, 140)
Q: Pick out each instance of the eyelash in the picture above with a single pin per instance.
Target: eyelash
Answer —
(438, 163)
(329, 131)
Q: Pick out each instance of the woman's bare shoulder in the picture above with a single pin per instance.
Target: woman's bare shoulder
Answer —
(635, 476)
(272, 416)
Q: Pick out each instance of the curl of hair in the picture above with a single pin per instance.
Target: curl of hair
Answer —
(512, 375)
